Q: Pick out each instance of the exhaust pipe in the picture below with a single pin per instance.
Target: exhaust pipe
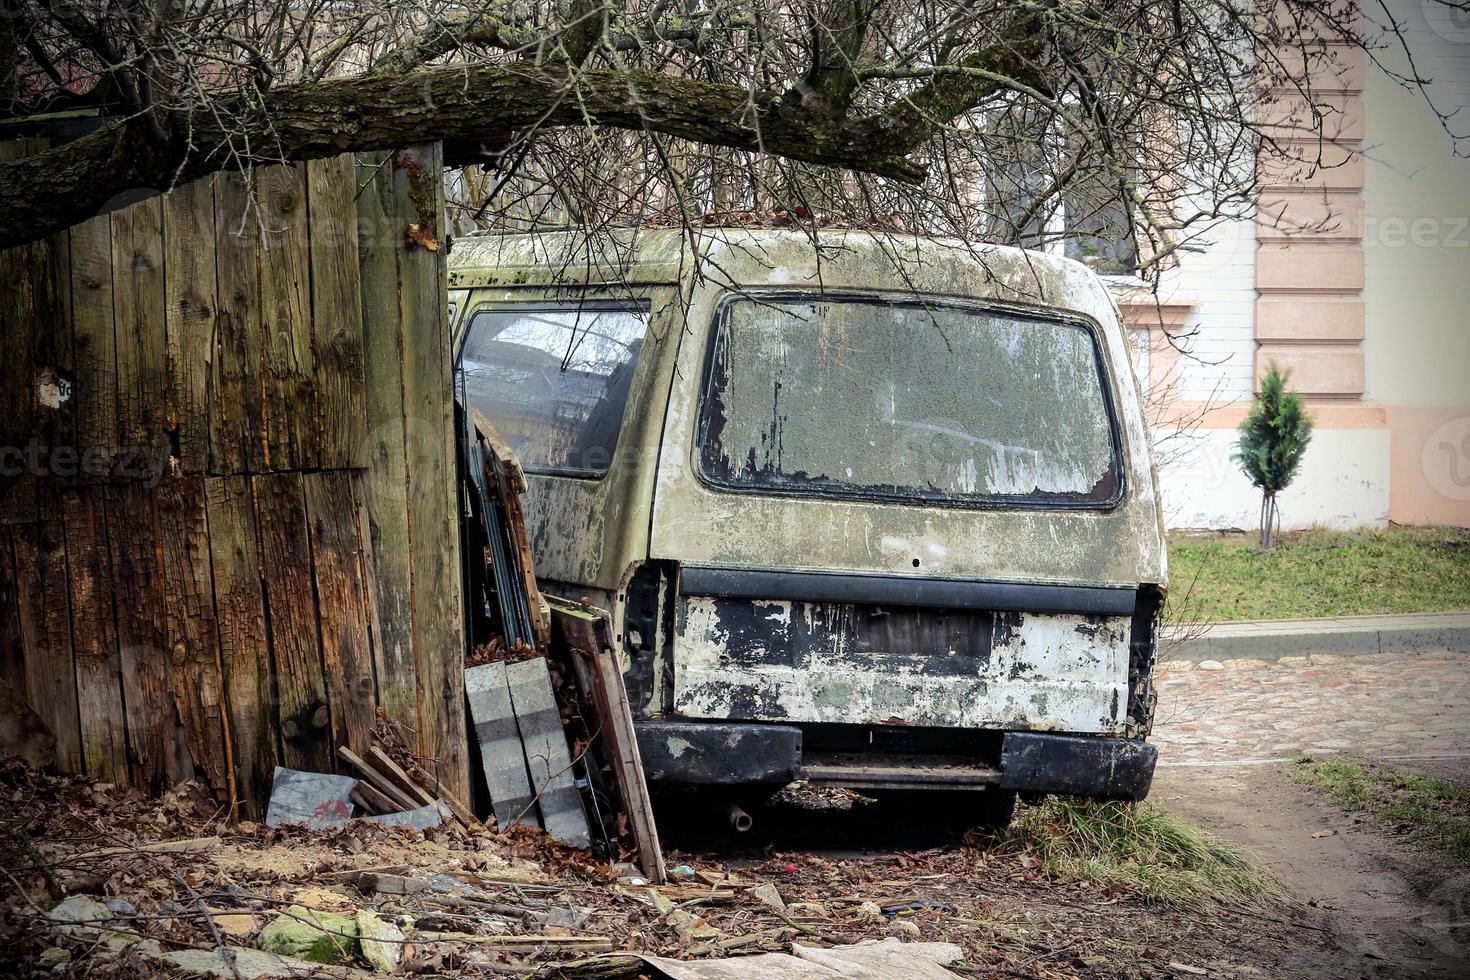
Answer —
(740, 821)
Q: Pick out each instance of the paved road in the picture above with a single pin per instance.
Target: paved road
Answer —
(1403, 706)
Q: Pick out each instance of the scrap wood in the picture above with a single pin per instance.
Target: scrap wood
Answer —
(192, 845)
(377, 779)
(387, 735)
(613, 967)
(361, 801)
(394, 771)
(377, 800)
(513, 484)
(511, 478)
(521, 944)
(385, 883)
(586, 634)
(691, 893)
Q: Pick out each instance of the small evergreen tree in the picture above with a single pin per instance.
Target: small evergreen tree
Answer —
(1273, 438)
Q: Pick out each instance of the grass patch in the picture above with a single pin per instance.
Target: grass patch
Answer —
(1430, 813)
(1141, 848)
(1321, 573)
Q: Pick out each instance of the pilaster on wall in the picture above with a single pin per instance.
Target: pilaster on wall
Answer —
(1309, 229)
(1157, 325)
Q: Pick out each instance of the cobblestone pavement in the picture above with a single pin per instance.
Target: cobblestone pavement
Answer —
(1402, 706)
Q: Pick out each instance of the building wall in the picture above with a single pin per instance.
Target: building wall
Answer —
(1417, 285)
(1358, 278)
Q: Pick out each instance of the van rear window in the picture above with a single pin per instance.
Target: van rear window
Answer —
(554, 380)
(907, 400)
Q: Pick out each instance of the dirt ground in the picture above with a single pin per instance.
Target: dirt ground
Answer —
(840, 877)
(1227, 733)
(1388, 910)
(1365, 906)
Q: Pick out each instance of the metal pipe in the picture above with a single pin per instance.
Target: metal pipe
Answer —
(740, 821)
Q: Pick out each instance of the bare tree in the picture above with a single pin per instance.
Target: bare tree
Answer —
(1123, 127)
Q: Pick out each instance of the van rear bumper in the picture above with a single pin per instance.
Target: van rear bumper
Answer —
(730, 754)
(1080, 765)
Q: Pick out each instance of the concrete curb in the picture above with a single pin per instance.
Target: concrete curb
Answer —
(1343, 636)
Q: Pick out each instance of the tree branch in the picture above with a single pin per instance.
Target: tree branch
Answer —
(1011, 63)
(68, 184)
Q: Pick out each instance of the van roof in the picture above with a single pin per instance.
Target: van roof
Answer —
(759, 257)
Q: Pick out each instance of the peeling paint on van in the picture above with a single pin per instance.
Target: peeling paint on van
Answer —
(1040, 672)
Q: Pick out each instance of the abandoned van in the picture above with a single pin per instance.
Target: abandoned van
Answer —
(883, 518)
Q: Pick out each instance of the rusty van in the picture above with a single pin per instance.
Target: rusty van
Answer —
(883, 517)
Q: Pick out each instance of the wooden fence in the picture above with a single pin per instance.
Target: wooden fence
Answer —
(228, 513)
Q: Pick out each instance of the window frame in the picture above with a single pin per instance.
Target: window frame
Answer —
(639, 306)
(719, 317)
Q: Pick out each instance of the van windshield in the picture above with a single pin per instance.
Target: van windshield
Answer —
(863, 397)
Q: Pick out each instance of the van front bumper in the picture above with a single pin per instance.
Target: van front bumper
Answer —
(730, 754)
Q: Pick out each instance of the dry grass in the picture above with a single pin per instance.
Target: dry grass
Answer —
(1144, 849)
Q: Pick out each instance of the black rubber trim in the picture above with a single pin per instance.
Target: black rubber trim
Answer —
(739, 583)
(1079, 765)
(720, 753)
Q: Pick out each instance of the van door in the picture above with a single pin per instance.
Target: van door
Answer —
(575, 382)
(890, 511)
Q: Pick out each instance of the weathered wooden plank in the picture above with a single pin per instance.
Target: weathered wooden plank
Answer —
(17, 320)
(45, 623)
(190, 285)
(19, 488)
(338, 564)
(285, 565)
(138, 320)
(510, 481)
(401, 800)
(286, 365)
(138, 599)
(193, 637)
(15, 353)
(438, 614)
(235, 440)
(385, 488)
(49, 385)
(94, 636)
(336, 311)
(583, 638)
(12, 644)
(36, 409)
(94, 342)
(244, 651)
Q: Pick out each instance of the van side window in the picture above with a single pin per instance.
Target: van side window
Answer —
(554, 380)
(906, 400)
